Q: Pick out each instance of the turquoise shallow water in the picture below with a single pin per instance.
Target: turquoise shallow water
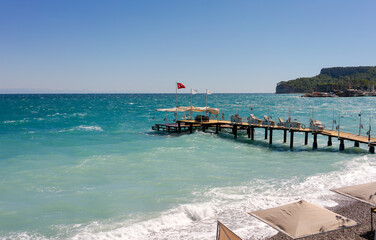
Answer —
(90, 167)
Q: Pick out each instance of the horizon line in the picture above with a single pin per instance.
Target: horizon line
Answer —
(31, 93)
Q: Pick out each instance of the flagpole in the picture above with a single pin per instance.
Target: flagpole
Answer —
(206, 109)
(190, 112)
(191, 97)
(176, 95)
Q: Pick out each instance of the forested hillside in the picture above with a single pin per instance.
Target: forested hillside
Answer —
(330, 79)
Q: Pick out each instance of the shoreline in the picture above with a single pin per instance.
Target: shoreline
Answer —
(355, 210)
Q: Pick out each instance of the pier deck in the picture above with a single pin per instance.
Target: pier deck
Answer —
(219, 124)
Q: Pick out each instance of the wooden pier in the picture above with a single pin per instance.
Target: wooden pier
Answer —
(189, 125)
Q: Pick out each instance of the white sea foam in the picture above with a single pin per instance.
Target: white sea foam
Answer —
(230, 205)
(16, 121)
(87, 128)
(83, 128)
(23, 236)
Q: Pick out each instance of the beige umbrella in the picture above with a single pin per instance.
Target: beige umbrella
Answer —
(223, 233)
(303, 219)
(363, 192)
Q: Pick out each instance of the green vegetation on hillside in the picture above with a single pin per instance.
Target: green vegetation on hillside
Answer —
(330, 79)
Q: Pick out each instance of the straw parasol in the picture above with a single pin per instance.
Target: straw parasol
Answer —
(303, 219)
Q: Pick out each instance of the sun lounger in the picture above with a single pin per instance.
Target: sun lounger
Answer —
(253, 120)
(282, 123)
(236, 119)
(268, 122)
(288, 124)
(316, 125)
(295, 124)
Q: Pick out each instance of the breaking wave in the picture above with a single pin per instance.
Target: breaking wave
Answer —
(197, 220)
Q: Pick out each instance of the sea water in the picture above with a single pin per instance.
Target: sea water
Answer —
(90, 167)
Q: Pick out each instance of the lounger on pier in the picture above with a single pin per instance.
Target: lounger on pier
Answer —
(268, 122)
(236, 119)
(253, 120)
(294, 125)
(282, 123)
(316, 125)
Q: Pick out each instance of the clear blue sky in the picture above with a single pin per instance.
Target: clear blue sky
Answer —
(146, 46)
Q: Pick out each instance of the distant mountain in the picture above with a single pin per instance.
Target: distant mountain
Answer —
(331, 79)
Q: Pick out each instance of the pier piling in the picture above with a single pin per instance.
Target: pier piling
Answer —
(284, 135)
(252, 133)
(314, 146)
(217, 128)
(266, 133)
(341, 145)
(356, 144)
(372, 149)
(190, 128)
(235, 130)
(270, 136)
(249, 132)
(329, 141)
(306, 138)
(291, 139)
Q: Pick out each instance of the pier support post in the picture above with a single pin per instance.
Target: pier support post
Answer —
(216, 128)
(252, 133)
(179, 127)
(249, 132)
(371, 149)
(284, 135)
(190, 128)
(203, 127)
(266, 133)
(291, 139)
(314, 141)
(356, 144)
(306, 138)
(235, 130)
(330, 141)
(270, 136)
(157, 127)
(341, 145)
(168, 128)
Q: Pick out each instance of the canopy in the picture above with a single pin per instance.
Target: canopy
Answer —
(178, 109)
(362, 192)
(302, 219)
(214, 111)
(223, 233)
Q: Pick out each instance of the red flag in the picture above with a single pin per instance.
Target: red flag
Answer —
(180, 85)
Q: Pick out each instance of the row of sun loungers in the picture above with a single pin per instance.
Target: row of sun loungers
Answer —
(268, 122)
(314, 125)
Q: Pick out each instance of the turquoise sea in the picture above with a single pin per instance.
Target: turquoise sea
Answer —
(89, 166)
